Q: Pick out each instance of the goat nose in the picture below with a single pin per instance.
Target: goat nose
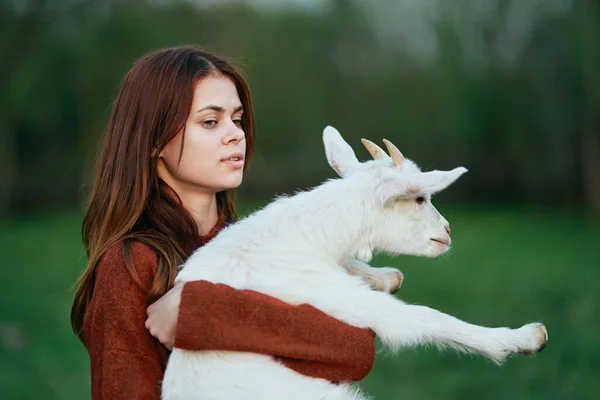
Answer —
(447, 228)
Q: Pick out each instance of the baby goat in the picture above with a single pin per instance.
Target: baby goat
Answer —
(300, 249)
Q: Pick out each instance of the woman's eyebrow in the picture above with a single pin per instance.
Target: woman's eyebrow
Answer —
(219, 108)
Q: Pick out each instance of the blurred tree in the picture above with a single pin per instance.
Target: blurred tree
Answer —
(18, 27)
(588, 12)
(508, 88)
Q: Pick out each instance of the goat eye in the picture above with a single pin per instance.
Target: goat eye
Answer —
(420, 200)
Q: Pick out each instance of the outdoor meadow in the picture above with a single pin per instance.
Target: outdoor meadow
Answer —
(509, 89)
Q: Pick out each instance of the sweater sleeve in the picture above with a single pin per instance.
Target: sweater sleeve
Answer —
(126, 361)
(218, 317)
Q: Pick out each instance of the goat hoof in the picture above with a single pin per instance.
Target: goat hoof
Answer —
(396, 281)
(541, 337)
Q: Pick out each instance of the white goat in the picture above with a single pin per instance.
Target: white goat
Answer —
(294, 249)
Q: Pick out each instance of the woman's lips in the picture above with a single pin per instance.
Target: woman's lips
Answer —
(235, 162)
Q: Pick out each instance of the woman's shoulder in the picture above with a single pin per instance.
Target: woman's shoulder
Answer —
(141, 256)
(138, 251)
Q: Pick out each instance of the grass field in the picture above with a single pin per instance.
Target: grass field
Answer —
(507, 268)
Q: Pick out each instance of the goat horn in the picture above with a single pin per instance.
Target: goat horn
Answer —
(397, 157)
(376, 152)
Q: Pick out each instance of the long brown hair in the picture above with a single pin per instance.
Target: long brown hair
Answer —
(128, 200)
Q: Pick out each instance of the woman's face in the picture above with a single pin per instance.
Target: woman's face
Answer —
(214, 147)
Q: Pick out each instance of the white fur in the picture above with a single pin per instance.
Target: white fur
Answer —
(295, 249)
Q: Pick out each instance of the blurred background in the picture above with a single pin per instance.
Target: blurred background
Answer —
(508, 88)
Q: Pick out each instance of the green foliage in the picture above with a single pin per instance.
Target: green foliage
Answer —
(526, 128)
(507, 267)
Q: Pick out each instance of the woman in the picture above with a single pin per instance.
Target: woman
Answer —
(178, 141)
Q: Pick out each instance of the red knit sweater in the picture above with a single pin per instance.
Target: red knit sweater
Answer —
(128, 363)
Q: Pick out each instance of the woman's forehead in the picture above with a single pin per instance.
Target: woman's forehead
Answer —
(215, 90)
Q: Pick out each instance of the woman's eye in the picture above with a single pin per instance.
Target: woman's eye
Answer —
(209, 124)
(238, 122)
(420, 200)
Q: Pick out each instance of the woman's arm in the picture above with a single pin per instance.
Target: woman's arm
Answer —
(126, 361)
(218, 317)
(126, 358)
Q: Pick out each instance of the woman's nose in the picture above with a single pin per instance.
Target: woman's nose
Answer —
(234, 134)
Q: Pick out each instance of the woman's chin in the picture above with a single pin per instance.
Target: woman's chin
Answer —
(232, 183)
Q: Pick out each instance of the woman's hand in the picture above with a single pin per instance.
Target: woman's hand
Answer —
(162, 316)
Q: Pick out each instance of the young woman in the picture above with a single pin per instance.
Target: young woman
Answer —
(178, 141)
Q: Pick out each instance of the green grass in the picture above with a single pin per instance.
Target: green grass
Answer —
(507, 267)
(39, 356)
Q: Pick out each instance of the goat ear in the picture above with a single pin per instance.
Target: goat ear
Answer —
(340, 155)
(422, 183)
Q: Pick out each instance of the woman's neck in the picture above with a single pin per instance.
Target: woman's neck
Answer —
(203, 208)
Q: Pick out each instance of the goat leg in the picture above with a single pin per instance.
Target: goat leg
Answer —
(383, 279)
